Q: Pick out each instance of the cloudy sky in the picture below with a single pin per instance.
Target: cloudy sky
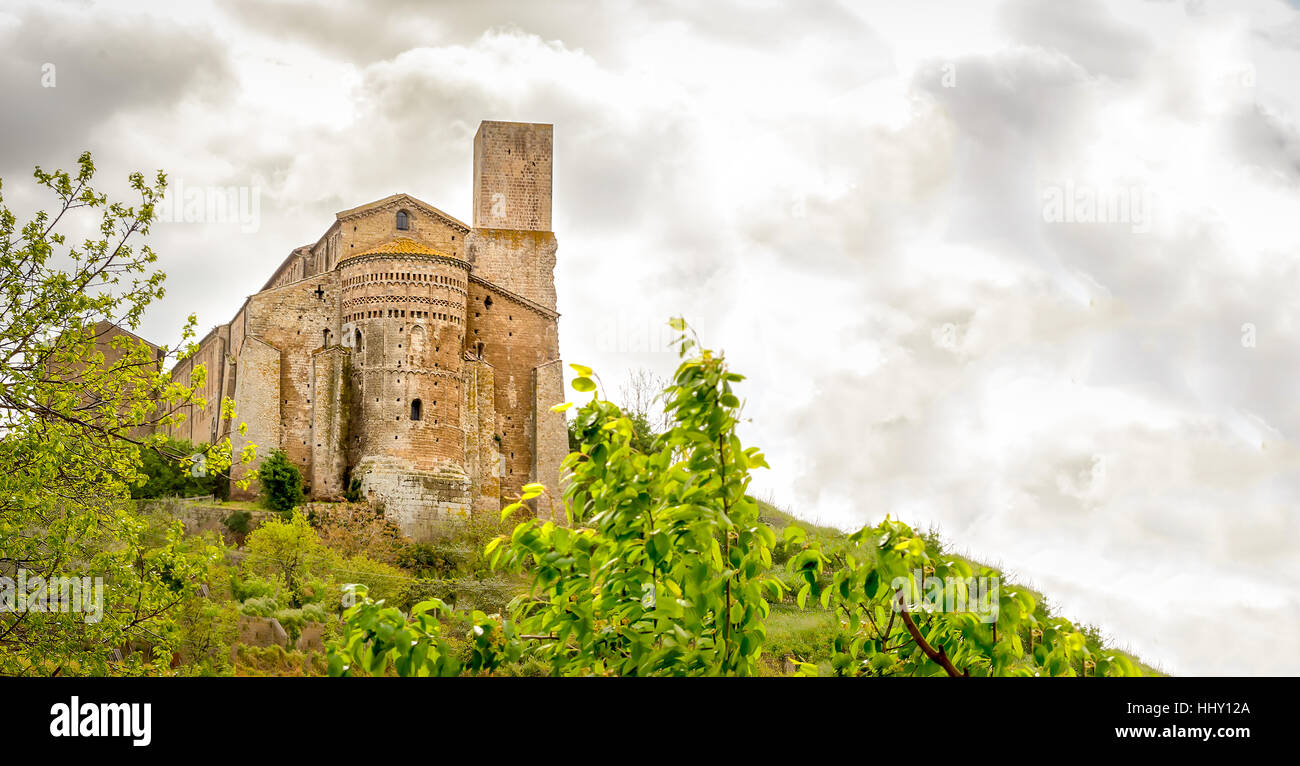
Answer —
(1022, 271)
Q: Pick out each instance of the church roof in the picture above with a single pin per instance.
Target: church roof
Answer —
(400, 246)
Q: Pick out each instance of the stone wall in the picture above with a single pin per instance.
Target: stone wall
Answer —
(514, 337)
(331, 408)
(297, 319)
(199, 517)
(267, 631)
(483, 460)
(551, 437)
(203, 425)
(521, 262)
(257, 402)
(262, 631)
(418, 502)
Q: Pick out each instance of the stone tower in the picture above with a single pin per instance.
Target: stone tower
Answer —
(408, 354)
(511, 251)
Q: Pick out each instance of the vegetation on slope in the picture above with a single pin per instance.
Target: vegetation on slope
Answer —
(667, 566)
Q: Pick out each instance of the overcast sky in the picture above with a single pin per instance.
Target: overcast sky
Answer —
(882, 212)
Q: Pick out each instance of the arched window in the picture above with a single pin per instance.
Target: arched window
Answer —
(416, 407)
(357, 345)
(403, 223)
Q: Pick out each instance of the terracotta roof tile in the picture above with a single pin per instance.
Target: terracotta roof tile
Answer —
(400, 246)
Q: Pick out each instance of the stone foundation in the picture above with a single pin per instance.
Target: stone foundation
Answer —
(418, 502)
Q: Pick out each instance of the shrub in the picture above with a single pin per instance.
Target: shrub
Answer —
(260, 606)
(238, 523)
(254, 587)
(351, 529)
(315, 613)
(434, 560)
(287, 550)
(281, 482)
(292, 621)
(382, 581)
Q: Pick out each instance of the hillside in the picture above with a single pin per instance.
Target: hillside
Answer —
(345, 543)
(801, 632)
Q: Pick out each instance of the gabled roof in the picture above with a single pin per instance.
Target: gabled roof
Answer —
(400, 200)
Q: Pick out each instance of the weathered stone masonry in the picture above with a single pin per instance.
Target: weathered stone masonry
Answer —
(407, 351)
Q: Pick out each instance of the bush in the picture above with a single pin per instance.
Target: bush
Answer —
(292, 621)
(431, 560)
(489, 595)
(260, 606)
(352, 529)
(281, 482)
(382, 581)
(289, 551)
(457, 550)
(315, 613)
(275, 661)
(238, 523)
(242, 590)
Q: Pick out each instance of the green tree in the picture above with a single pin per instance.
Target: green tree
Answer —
(288, 550)
(170, 470)
(281, 482)
(662, 569)
(76, 410)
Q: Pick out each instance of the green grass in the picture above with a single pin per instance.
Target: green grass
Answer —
(802, 634)
(779, 519)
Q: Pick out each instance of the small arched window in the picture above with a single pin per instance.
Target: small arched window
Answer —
(416, 409)
(403, 222)
(357, 345)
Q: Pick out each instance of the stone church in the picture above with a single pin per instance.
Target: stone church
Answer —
(406, 353)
